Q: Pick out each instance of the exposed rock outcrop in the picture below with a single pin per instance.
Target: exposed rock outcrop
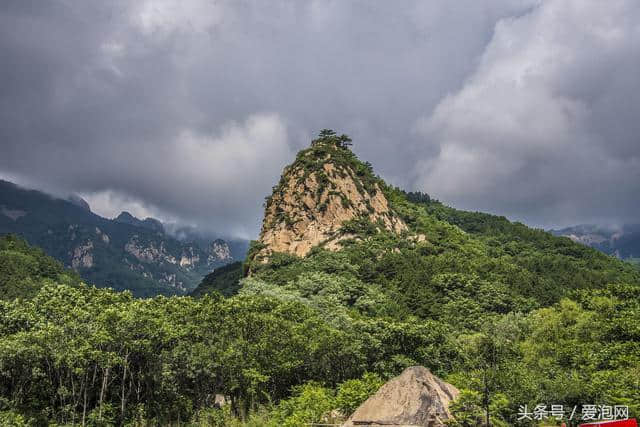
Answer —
(82, 256)
(219, 251)
(148, 252)
(322, 190)
(189, 257)
(104, 236)
(415, 398)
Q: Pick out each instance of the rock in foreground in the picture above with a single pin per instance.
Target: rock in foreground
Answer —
(415, 398)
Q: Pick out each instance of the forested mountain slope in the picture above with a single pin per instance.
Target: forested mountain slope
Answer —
(437, 250)
(509, 315)
(25, 269)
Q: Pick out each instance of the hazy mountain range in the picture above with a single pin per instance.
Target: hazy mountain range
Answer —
(122, 253)
(620, 241)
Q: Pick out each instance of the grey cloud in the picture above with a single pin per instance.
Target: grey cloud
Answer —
(546, 127)
(188, 110)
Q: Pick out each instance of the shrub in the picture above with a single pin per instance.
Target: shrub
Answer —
(310, 403)
(353, 393)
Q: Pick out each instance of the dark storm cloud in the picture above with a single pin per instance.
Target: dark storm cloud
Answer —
(190, 109)
(546, 128)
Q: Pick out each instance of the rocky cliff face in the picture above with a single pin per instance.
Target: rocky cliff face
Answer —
(319, 195)
(188, 258)
(148, 252)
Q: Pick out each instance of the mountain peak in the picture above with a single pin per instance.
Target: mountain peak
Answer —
(149, 223)
(323, 191)
(126, 216)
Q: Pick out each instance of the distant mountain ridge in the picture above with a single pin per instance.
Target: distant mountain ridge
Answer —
(125, 253)
(622, 242)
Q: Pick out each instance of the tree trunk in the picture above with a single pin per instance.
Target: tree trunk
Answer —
(122, 396)
(486, 399)
(105, 378)
(84, 403)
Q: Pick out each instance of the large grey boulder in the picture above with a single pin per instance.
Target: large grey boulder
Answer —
(415, 398)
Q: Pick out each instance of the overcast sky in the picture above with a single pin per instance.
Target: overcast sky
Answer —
(189, 110)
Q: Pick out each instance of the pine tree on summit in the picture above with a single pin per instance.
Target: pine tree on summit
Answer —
(325, 133)
(344, 141)
(329, 135)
